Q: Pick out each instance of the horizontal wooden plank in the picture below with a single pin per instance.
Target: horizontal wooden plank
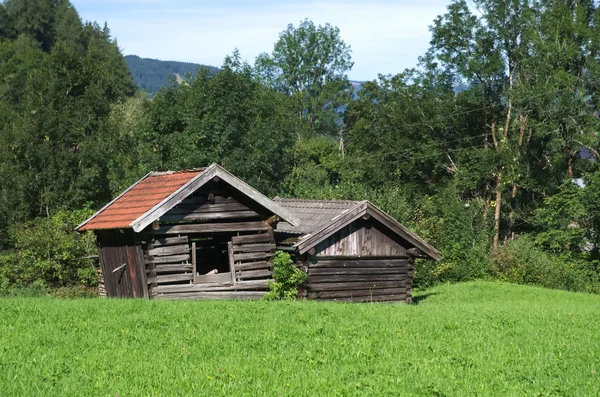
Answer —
(168, 259)
(219, 196)
(208, 216)
(358, 263)
(253, 255)
(254, 247)
(249, 274)
(212, 228)
(252, 266)
(169, 250)
(360, 293)
(346, 278)
(252, 238)
(220, 295)
(218, 278)
(225, 206)
(160, 242)
(317, 287)
(170, 278)
(173, 268)
(356, 270)
(239, 286)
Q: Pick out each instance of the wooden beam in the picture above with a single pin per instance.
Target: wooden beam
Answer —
(209, 216)
(252, 266)
(320, 271)
(170, 278)
(169, 250)
(194, 269)
(254, 247)
(212, 228)
(317, 287)
(255, 274)
(168, 259)
(231, 262)
(171, 268)
(253, 256)
(240, 286)
(252, 238)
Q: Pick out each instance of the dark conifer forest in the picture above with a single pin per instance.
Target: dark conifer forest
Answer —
(150, 75)
(488, 147)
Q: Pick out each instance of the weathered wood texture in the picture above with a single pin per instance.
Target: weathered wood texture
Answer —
(361, 238)
(251, 255)
(168, 262)
(209, 216)
(360, 280)
(115, 249)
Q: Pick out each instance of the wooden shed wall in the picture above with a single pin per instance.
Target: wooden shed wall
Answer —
(360, 279)
(214, 216)
(362, 262)
(122, 261)
(362, 238)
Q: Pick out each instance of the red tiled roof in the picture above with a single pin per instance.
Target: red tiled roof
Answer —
(138, 200)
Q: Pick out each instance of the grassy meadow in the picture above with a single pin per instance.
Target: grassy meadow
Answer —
(477, 338)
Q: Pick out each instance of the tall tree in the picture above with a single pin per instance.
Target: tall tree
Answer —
(309, 63)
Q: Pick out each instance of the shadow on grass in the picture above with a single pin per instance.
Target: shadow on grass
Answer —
(419, 298)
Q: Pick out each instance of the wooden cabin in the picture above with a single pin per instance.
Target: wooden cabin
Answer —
(205, 234)
(187, 235)
(352, 250)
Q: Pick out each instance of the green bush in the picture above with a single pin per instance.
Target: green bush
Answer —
(288, 278)
(459, 230)
(522, 262)
(49, 252)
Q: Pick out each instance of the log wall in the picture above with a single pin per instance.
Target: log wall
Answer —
(355, 279)
(229, 233)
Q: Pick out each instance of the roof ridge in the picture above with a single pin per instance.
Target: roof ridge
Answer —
(315, 200)
(160, 173)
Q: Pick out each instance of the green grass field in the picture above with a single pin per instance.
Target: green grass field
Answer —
(467, 339)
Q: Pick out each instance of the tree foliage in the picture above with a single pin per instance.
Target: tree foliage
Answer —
(309, 63)
(488, 148)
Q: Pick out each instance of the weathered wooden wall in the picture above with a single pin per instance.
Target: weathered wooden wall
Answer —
(360, 279)
(361, 238)
(224, 227)
(122, 261)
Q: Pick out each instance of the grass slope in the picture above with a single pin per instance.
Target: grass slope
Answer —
(466, 339)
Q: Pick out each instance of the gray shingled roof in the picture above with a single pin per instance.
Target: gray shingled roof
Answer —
(313, 214)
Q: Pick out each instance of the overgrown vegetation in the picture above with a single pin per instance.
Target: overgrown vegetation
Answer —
(288, 278)
(465, 339)
(488, 148)
(48, 255)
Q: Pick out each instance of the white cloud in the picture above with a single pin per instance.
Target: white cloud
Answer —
(385, 36)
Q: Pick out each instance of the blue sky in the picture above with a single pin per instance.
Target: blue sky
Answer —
(386, 36)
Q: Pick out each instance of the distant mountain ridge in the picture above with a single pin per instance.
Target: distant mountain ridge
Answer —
(152, 74)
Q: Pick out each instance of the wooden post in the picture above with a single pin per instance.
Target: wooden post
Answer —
(231, 262)
(194, 263)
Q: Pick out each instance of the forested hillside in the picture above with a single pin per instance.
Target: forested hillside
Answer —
(152, 74)
(476, 148)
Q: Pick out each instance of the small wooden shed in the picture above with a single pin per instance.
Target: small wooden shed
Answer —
(352, 250)
(205, 234)
(187, 235)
